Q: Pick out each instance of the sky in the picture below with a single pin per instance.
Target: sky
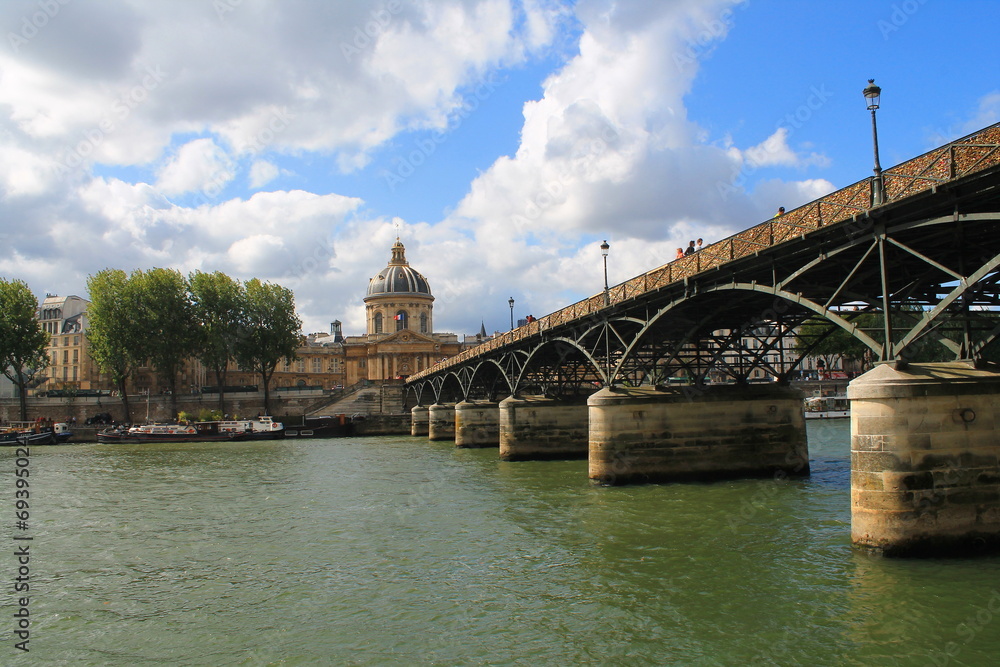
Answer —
(501, 140)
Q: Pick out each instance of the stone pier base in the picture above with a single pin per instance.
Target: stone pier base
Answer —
(647, 435)
(925, 460)
(419, 420)
(535, 428)
(441, 421)
(477, 424)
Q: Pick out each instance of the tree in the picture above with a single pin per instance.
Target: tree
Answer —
(167, 316)
(218, 308)
(115, 330)
(821, 338)
(269, 331)
(22, 342)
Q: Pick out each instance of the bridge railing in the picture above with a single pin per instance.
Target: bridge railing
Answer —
(962, 157)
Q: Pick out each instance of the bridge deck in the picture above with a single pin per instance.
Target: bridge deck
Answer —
(965, 157)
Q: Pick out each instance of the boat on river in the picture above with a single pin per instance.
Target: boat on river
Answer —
(326, 426)
(259, 428)
(827, 407)
(150, 433)
(35, 433)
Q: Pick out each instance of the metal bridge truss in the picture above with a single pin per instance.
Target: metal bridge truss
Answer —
(915, 278)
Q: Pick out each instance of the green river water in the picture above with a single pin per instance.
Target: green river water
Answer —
(400, 551)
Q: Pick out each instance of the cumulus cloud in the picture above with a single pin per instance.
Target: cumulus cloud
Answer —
(197, 165)
(262, 172)
(115, 117)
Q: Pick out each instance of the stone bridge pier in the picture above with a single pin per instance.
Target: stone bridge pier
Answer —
(477, 424)
(441, 421)
(419, 420)
(537, 427)
(644, 434)
(925, 459)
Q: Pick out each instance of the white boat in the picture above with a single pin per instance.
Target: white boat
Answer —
(827, 407)
(260, 428)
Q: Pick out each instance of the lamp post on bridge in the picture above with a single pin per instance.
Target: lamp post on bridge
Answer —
(872, 94)
(604, 251)
(510, 302)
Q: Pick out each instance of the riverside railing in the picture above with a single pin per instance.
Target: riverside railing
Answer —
(976, 152)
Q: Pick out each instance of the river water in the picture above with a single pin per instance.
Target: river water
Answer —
(400, 551)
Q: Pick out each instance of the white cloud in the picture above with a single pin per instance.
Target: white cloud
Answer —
(183, 97)
(775, 151)
(262, 172)
(199, 165)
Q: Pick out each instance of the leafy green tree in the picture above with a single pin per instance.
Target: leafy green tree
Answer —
(168, 319)
(218, 312)
(269, 331)
(22, 342)
(115, 329)
(821, 338)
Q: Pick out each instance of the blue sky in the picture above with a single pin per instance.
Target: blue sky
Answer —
(501, 140)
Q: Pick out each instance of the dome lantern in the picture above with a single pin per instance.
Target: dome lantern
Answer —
(398, 277)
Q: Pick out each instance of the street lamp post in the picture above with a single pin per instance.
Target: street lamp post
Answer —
(604, 251)
(872, 94)
(510, 302)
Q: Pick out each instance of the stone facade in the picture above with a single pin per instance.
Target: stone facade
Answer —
(399, 341)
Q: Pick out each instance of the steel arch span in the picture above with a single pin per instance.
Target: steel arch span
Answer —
(914, 276)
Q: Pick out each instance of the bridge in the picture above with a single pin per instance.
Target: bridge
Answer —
(906, 265)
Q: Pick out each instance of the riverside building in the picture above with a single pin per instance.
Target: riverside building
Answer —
(399, 340)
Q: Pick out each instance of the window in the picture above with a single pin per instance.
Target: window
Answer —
(76, 356)
(65, 356)
(317, 365)
(400, 320)
(378, 322)
(423, 322)
(300, 365)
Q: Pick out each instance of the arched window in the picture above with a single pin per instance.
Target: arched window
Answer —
(378, 322)
(423, 322)
(400, 320)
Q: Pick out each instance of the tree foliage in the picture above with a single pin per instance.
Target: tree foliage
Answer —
(22, 343)
(167, 317)
(217, 301)
(821, 338)
(115, 329)
(269, 331)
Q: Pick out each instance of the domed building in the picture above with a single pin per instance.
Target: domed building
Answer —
(399, 341)
(398, 297)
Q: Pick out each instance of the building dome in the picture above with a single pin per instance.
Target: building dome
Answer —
(398, 278)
